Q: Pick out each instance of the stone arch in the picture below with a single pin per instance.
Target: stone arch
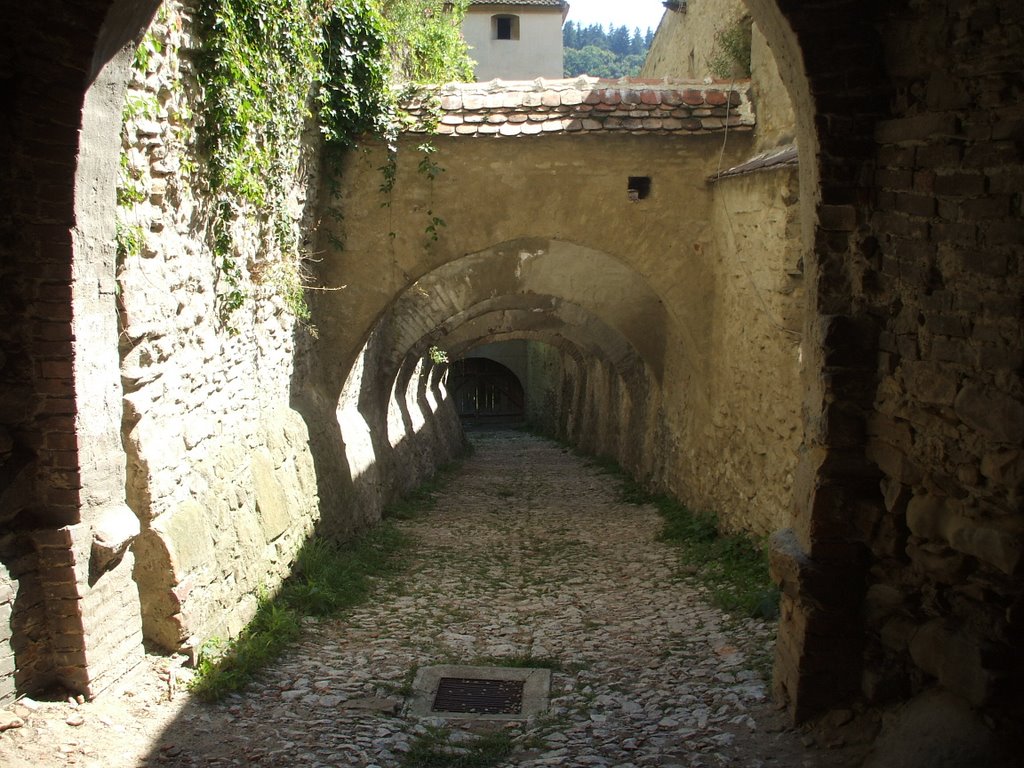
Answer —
(479, 377)
(68, 70)
(835, 106)
(531, 274)
(840, 78)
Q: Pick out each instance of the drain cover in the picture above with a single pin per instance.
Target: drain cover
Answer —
(462, 692)
(484, 697)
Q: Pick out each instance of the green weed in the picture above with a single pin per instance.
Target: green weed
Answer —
(734, 567)
(327, 578)
(436, 749)
(226, 668)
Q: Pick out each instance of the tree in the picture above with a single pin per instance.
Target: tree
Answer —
(594, 51)
(618, 41)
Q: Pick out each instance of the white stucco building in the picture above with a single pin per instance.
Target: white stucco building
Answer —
(516, 39)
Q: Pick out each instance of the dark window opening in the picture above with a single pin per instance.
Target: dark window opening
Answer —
(506, 27)
(639, 187)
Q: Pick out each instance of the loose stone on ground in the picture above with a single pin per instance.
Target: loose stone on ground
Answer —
(530, 558)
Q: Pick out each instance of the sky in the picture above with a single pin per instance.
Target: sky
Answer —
(632, 13)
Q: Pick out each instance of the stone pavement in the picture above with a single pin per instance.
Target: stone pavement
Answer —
(529, 557)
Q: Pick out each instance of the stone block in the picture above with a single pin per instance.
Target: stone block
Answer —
(995, 414)
(950, 655)
(896, 633)
(998, 548)
(894, 463)
(880, 602)
(185, 533)
(936, 562)
(113, 532)
(271, 501)
(915, 129)
(931, 516)
(1005, 468)
(935, 730)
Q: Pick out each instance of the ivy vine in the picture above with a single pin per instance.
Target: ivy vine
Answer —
(265, 67)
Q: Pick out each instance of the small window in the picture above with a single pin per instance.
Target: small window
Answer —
(638, 187)
(505, 27)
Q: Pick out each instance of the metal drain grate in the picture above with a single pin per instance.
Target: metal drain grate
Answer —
(481, 697)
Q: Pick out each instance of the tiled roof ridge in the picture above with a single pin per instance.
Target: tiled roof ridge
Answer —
(554, 3)
(583, 105)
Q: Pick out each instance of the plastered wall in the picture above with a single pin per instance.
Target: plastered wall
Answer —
(528, 244)
(536, 53)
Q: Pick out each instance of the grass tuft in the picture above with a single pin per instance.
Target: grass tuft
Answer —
(436, 749)
(327, 578)
(734, 567)
(224, 668)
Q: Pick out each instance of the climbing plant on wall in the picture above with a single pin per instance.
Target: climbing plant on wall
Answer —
(266, 66)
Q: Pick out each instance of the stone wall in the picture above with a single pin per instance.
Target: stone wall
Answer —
(686, 45)
(945, 271)
(220, 467)
(169, 472)
(659, 324)
(756, 339)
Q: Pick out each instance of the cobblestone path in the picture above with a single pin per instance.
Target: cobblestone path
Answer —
(529, 555)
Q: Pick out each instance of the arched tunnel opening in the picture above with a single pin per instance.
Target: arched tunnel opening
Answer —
(486, 390)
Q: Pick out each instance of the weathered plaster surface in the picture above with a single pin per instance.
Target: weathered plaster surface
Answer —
(529, 246)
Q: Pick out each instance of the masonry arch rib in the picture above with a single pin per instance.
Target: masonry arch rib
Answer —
(533, 274)
(565, 322)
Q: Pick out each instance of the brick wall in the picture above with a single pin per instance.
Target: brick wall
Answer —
(949, 419)
(46, 63)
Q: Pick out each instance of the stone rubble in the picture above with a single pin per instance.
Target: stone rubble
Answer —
(529, 559)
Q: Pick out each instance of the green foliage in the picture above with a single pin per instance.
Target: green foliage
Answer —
(130, 189)
(428, 167)
(426, 40)
(149, 46)
(354, 91)
(327, 578)
(733, 567)
(435, 749)
(600, 62)
(613, 53)
(731, 56)
(226, 668)
(264, 66)
(130, 239)
(267, 66)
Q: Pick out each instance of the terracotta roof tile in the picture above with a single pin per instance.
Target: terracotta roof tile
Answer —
(553, 3)
(581, 105)
(775, 158)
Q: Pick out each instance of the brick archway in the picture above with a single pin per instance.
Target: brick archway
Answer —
(910, 184)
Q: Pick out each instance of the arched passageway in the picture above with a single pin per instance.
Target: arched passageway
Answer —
(902, 568)
(485, 389)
